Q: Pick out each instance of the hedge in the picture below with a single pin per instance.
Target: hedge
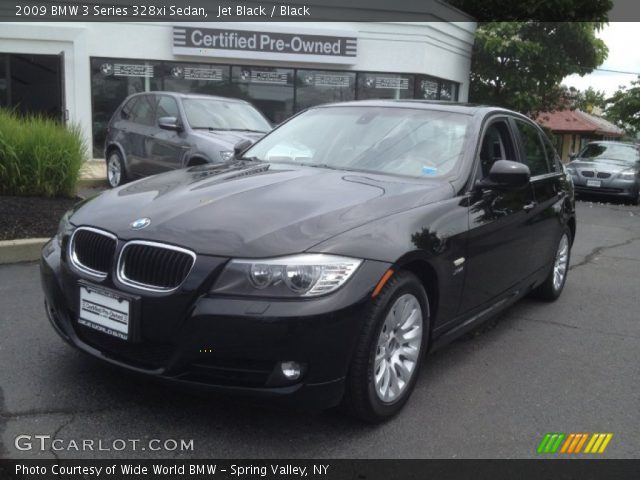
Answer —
(39, 156)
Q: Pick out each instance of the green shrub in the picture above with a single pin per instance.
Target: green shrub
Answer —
(38, 156)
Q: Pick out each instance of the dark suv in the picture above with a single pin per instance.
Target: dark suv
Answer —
(154, 132)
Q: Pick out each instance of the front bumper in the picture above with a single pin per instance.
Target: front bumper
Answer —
(611, 187)
(218, 343)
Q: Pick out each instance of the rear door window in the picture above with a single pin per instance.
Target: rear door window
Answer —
(143, 110)
(552, 156)
(125, 113)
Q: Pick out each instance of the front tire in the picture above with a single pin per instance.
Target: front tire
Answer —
(389, 352)
(553, 285)
(116, 171)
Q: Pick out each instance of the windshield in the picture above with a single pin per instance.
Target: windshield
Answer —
(611, 151)
(217, 114)
(402, 141)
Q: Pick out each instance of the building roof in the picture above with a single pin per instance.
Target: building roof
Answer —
(577, 121)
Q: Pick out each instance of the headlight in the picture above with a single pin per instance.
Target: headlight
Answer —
(226, 155)
(627, 175)
(571, 170)
(64, 227)
(305, 275)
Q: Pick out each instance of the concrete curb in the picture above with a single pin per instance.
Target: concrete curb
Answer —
(23, 250)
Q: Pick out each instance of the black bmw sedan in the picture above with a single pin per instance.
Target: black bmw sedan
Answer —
(321, 264)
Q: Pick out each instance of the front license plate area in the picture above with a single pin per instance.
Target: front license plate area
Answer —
(594, 183)
(105, 311)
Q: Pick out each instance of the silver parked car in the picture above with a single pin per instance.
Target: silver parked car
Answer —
(154, 132)
(607, 168)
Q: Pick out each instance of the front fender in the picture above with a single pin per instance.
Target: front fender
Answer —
(116, 144)
(435, 233)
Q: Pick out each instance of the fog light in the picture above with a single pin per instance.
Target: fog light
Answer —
(291, 370)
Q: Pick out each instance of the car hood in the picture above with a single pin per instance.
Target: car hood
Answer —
(227, 138)
(249, 209)
(602, 165)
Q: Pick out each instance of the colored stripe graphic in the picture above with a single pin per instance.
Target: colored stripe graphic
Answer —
(572, 443)
(565, 447)
(598, 443)
(581, 442)
(550, 442)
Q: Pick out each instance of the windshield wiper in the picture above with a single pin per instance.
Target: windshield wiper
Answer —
(217, 129)
(245, 130)
(303, 164)
(251, 159)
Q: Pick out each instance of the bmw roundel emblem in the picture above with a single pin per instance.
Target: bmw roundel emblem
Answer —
(140, 223)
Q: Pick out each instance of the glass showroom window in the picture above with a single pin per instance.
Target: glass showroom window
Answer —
(196, 78)
(427, 88)
(385, 85)
(314, 87)
(449, 91)
(112, 81)
(270, 90)
(32, 84)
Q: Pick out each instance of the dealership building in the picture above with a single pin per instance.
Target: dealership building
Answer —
(82, 71)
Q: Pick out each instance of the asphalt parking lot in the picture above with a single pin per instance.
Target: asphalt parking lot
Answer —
(570, 366)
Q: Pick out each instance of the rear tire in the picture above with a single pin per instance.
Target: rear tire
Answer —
(388, 354)
(553, 285)
(116, 171)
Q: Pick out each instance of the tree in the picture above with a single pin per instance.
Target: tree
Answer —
(624, 108)
(589, 100)
(520, 65)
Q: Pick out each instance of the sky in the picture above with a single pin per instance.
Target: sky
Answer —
(622, 38)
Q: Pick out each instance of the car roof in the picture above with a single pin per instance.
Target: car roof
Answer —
(612, 142)
(439, 105)
(191, 95)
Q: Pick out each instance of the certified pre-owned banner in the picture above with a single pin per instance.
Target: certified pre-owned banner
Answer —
(341, 47)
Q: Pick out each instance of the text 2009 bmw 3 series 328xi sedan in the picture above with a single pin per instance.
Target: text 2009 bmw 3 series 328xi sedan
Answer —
(324, 262)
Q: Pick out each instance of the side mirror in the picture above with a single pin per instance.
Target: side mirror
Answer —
(573, 156)
(169, 123)
(241, 146)
(506, 175)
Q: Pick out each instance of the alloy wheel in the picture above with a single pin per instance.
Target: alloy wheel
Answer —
(398, 348)
(560, 265)
(114, 171)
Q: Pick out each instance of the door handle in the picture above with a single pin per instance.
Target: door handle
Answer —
(529, 206)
